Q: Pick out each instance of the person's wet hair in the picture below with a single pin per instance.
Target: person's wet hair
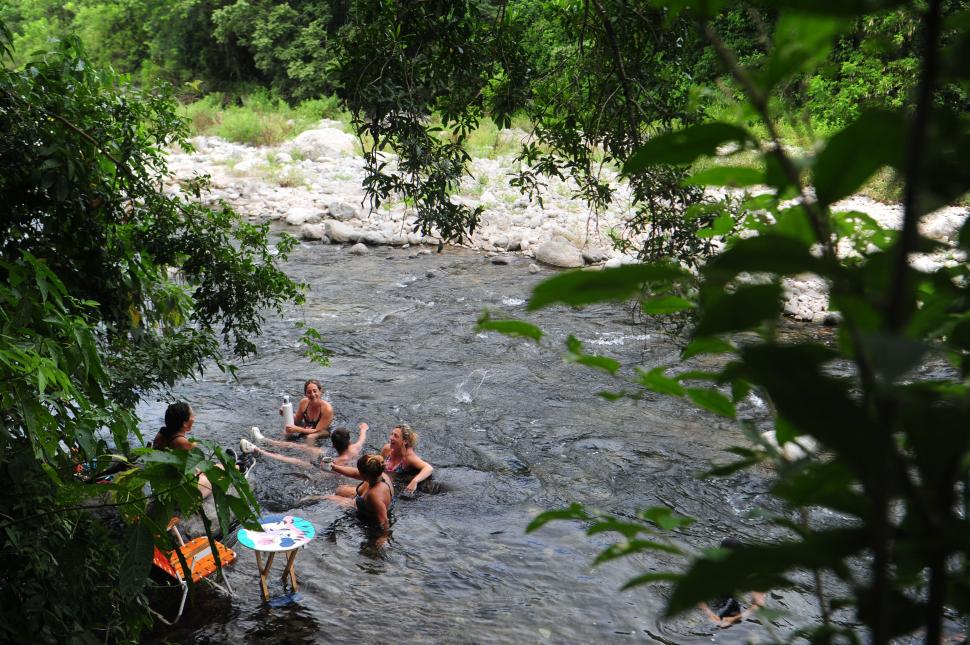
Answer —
(410, 436)
(315, 382)
(370, 466)
(340, 438)
(175, 417)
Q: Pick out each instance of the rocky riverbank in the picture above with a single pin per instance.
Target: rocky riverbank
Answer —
(313, 183)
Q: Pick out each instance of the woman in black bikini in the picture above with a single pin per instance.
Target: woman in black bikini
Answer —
(374, 495)
(313, 415)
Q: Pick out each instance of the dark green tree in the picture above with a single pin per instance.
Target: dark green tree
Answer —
(109, 290)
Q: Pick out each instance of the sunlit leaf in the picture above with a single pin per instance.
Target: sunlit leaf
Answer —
(707, 345)
(634, 546)
(684, 146)
(509, 327)
(732, 176)
(662, 305)
(712, 401)
(572, 512)
(586, 287)
(666, 518)
(656, 381)
(802, 41)
(853, 154)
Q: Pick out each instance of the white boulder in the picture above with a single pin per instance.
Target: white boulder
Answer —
(322, 142)
(313, 231)
(342, 211)
(340, 232)
(300, 215)
(559, 253)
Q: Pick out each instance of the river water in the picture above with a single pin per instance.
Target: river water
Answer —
(511, 428)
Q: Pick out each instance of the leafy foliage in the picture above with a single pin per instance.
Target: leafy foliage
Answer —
(109, 290)
(896, 447)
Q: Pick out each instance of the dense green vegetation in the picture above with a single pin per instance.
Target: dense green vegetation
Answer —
(91, 320)
(896, 459)
(109, 291)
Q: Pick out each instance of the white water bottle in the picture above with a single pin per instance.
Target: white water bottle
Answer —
(287, 412)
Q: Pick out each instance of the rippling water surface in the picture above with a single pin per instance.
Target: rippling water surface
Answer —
(511, 429)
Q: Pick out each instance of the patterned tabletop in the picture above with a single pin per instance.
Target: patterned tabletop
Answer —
(280, 533)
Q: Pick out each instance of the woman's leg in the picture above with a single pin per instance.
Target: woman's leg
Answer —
(311, 438)
(302, 447)
(284, 458)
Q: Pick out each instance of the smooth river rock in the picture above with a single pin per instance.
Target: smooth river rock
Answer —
(559, 253)
(322, 142)
(300, 215)
(340, 232)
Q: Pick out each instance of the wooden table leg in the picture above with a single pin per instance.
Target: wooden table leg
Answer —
(290, 562)
(263, 573)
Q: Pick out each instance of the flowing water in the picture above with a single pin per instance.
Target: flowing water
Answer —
(511, 429)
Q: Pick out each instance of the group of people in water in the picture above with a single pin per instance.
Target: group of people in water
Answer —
(397, 463)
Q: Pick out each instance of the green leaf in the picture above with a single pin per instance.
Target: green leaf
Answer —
(586, 287)
(764, 253)
(599, 362)
(665, 305)
(852, 155)
(665, 518)
(136, 559)
(509, 327)
(684, 146)
(760, 568)
(747, 307)
(712, 401)
(572, 512)
(724, 470)
(891, 356)
(794, 223)
(722, 225)
(846, 8)
(707, 345)
(732, 176)
(647, 578)
(634, 546)
(656, 381)
(801, 42)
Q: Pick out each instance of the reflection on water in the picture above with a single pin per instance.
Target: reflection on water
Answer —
(511, 429)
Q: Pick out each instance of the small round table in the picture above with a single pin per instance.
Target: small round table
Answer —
(280, 534)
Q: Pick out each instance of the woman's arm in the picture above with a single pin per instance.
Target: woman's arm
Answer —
(346, 471)
(424, 471)
(380, 510)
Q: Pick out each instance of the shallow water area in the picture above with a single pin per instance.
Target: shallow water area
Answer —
(511, 428)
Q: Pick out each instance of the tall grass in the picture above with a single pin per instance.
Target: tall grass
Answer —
(258, 119)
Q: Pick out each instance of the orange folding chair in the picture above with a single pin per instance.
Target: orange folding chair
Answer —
(201, 564)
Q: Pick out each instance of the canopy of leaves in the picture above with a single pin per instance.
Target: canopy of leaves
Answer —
(895, 446)
(109, 289)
